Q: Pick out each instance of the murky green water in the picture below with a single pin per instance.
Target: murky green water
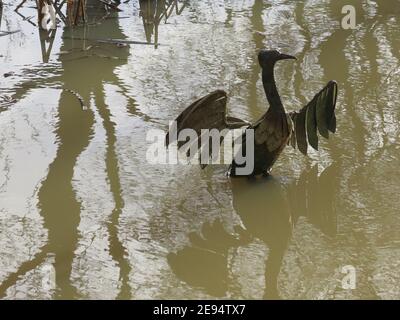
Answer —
(79, 202)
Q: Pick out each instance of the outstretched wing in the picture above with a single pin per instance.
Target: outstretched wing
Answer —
(318, 115)
(208, 112)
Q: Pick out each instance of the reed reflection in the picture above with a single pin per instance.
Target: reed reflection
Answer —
(1, 12)
(59, 205)
(153, 12)
(58, 202)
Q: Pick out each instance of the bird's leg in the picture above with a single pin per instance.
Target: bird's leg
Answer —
(252, 178)
(266, 174)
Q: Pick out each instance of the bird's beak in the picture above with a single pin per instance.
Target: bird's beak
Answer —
(286, 57)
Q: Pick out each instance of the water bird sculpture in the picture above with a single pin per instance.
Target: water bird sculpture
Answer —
(276, 128)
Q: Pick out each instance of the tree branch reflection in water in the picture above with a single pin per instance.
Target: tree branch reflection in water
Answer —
(57, 199)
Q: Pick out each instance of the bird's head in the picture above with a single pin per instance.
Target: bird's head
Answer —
(268, 58)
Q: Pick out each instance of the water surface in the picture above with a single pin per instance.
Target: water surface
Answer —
(79, 203)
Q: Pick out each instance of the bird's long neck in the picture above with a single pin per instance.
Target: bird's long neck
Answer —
(271, 91)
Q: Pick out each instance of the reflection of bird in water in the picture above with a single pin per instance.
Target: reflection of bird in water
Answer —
(275, 128)
(264, 209)
(268, 210)
(204, 263)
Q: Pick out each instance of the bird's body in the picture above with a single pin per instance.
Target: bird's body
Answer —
(276, 128)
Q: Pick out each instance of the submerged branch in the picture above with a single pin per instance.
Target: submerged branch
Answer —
(115, 41)
(7, 33)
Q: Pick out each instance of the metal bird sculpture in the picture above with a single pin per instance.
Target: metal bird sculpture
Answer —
(276, 128)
